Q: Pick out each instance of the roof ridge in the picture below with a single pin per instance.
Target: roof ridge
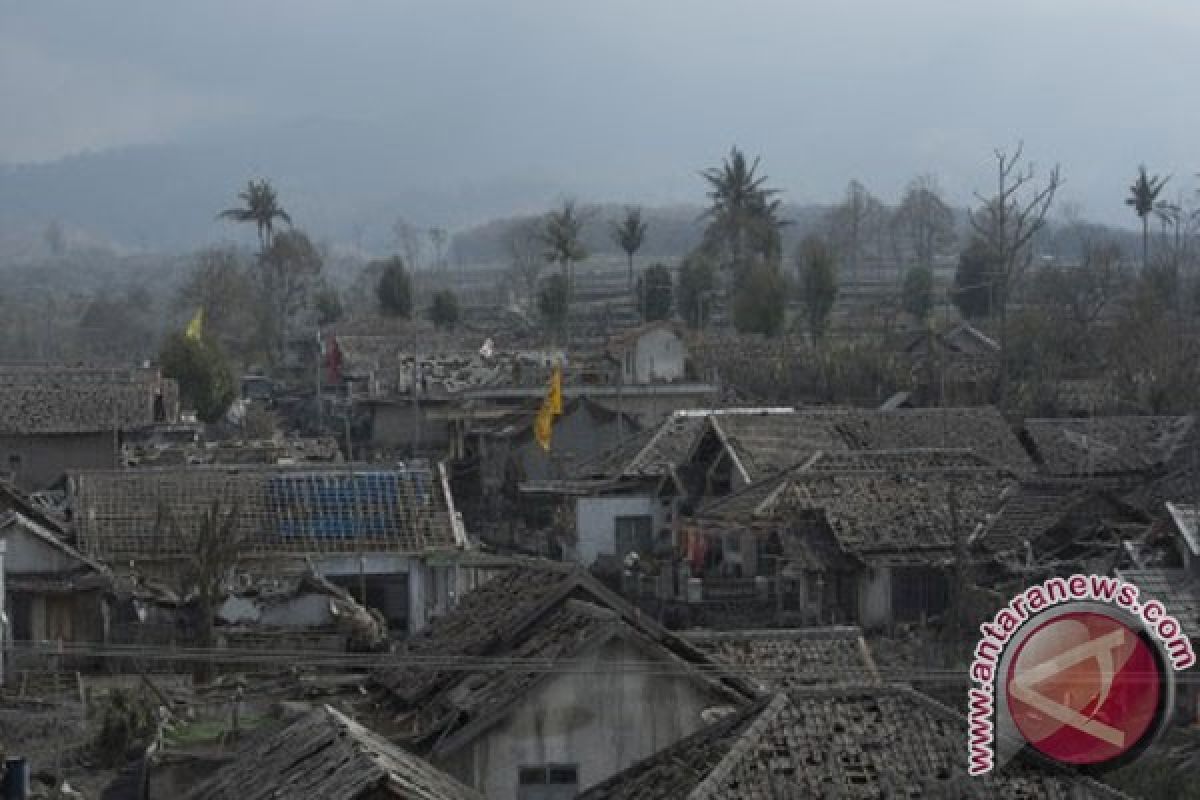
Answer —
(710, 788)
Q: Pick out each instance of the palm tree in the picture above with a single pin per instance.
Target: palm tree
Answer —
(629, 234)
(560, 236)
(743, 211)
(1142, 197)
(260, 206)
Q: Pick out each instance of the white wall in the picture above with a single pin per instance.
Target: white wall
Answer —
(595, 522)
(598, 717)
(658, 356)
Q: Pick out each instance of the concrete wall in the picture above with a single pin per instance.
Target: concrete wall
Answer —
(600, 718)
(595, 523)
(393, 426)
(43, 459)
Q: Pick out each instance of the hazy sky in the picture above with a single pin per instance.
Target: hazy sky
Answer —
(630, 98)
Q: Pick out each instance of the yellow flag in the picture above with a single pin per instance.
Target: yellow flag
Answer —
(543, 424)
(543, 427)
(554, 398)
(195, 328)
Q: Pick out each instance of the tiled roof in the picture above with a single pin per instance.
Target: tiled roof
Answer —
(779, 660)
(1175, 589)
(668, 447)
(531, 614)
(129, 514)
(327, 756)
(896, 517)
(854, 743)
(1105, 445)
(766, 443)
(59, 404)
(1035, 506)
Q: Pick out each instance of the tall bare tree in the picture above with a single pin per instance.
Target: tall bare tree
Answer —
(1007, 223)
(437, 238)
(1143, 195)
(850, 224)
(629, 233)
(523, 245)
(409, 242)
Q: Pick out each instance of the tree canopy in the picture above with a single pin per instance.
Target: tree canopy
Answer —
(260, 205)
(743, 214)
(394, 289)
(697, 280)
(443, 311)
(205, 380)
(918, 292)
(629, 233)
(818, 282)
(654, 293)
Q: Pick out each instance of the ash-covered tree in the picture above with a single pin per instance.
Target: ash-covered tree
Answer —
(214, 545)
(850, 223)
(923, 222)
(291, 272)
(760, 300)
(629, 233)
(552, 303)
(917, 294)
(523, 246)
(260, 206)
(975, 280)
(697, 282)
(654, 293)
(443, 311)
(328, 302)
(202, 372)
(817, 269)
(394, 289)
(743, 215)
(222, 283)
(1143, 196)
(561, 237)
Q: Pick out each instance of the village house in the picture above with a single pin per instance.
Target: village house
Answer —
(58, 418)
(1128, 449)
(957, 365)
(51, 592)
(864, 537)
(325, 755)
(782, 659)
(389, 535)
(652, 353)
(528, 733)
(846, 742)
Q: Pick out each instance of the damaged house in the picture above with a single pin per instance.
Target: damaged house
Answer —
(325, 755)
(542, 683)
(389, 535)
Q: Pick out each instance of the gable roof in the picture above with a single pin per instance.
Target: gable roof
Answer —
(779, 660)
(1035, 506)
(535, 615)
(1106, 445)
(760, 444)
(119, 514)
(1176, 589)
(327, 756)
(847, 742)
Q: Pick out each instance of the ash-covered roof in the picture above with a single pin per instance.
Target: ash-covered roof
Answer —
(896, 517)
(779, 660)
(1106, 445)
(765, 443)
(54, 400)
(327, 756)
(155, 512)
(856, 743)
(536, 615)
(1174, 588)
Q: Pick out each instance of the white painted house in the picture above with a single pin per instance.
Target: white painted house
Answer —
(652, 353)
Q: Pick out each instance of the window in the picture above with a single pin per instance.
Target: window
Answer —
(634, 535)
(548, 782)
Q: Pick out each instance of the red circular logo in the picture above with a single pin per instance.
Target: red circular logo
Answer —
(1084, 688)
